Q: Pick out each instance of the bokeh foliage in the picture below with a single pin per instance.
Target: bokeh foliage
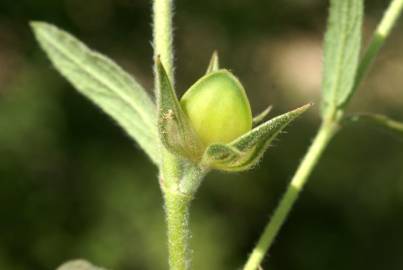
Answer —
(73, 185)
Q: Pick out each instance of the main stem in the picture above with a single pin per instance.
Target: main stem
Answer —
(177, 203)
(178, 193)
(163, 35)
(177, 216)
(323, 137)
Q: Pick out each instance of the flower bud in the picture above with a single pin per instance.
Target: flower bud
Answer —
(217, 108)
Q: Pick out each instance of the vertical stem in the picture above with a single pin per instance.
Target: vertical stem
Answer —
(177, 215)
(297, 183)
(163, 34)
(178, 194)
(176, 203)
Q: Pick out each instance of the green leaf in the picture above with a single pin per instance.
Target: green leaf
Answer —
(341, 53)
(246, 151)
(104, 83)
(175, 131)
(78, 265)
(261, 116)
(214, 64)
(379, 120)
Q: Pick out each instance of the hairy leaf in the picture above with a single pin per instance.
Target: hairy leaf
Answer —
(246, 151)
(175, 131)
(103, 82)
(78, 265)
(341, 52)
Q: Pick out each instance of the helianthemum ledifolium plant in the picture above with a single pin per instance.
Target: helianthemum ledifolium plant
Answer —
(211, 127)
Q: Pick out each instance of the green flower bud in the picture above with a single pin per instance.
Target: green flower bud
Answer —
(212, 124)
(217, 108)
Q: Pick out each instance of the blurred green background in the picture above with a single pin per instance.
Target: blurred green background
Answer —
(73, 185)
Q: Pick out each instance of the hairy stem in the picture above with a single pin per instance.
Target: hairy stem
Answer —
(177, 215)
(177, 203)
(163, 35)
(323, 137)
(178, 194)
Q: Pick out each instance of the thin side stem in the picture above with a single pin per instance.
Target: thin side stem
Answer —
(323, 137)
(378, 39)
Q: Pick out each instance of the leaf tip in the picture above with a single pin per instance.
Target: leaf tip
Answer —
(158, 63)
(214, 64)
(38, 25)
(261, 116)
(34, 24)
(305, 107)
(214, 58)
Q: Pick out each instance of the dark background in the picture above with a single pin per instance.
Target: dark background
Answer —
(73, 185)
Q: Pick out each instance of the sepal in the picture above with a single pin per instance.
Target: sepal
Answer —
(175, 131)
(214, 64)
(245, 152)
(261, 116)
